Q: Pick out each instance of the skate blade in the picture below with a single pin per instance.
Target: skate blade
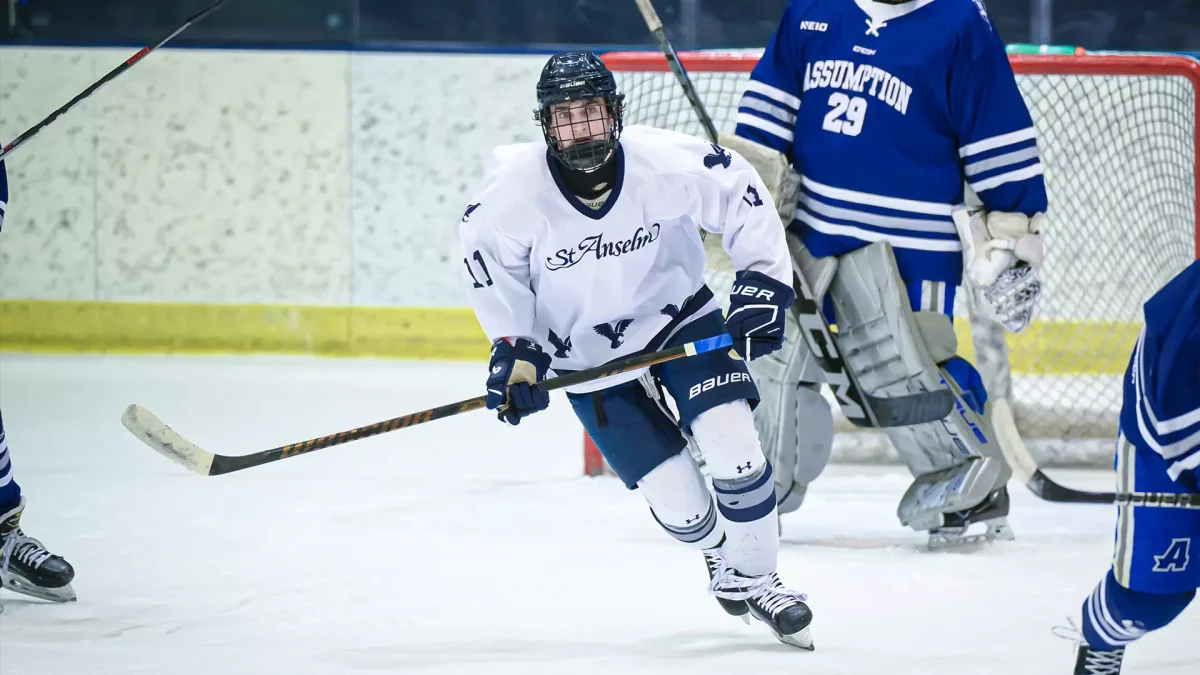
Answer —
(950, 538)
(19, 584)
(802, 639)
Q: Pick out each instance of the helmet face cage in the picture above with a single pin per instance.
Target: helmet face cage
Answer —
(588, 155)
(572, 77)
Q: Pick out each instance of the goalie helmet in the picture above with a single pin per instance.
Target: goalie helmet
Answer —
(581, 137)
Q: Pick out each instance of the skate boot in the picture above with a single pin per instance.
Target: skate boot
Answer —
(1088, 661)
(715, 562)
(769, 601)
(992, 514)
(27, 567)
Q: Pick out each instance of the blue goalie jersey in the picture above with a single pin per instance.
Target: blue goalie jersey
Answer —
(884, 110)
(1160, 414)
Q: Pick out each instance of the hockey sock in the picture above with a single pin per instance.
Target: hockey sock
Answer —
(1115, 616)
(680, 502)
(10, 492)
(744, 484)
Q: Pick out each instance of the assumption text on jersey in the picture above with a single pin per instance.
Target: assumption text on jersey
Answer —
(847, 75)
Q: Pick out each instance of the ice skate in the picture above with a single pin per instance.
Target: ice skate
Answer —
(715, 563)
(990, 519)
(769, 601)
(1089, 661)
(26, 566)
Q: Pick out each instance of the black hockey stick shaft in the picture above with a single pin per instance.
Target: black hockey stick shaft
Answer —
(112, 75)
(167, 442)
(1045, 488)
(689, 90)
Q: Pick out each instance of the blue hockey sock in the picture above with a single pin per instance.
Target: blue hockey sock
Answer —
(1115, 616)
(10, 492)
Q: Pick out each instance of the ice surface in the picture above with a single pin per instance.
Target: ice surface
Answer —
(465, 547)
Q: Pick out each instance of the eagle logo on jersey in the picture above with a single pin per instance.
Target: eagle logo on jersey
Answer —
(673, 311)
(470, 210)
(561, 347)
(719, 156)
(614, 332)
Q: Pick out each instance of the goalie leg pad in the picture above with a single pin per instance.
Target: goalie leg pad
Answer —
(794, 422)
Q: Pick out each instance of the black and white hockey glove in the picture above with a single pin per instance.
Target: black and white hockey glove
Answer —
(514, 370)
(757, 305)
(1004, 254)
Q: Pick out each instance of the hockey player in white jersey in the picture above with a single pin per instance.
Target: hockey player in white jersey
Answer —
(864, 118)
(1154, 574)
(586, 249)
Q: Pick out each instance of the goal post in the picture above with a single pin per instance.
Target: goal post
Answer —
(1119, 137)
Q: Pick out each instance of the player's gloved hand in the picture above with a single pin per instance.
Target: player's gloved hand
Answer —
(513, 373)
(757, 306)
(1004, 253)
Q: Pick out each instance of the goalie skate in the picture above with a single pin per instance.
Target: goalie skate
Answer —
(984, 523)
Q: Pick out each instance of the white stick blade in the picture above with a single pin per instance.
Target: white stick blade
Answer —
(156, 434)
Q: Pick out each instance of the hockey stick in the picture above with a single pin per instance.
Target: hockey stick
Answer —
(112, 75)
(862, 409)
(689, 90)
(1026, 468)
(163, 439)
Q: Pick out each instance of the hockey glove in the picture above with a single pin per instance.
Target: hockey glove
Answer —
(513, 373)
(1004, 254)
(757, 304)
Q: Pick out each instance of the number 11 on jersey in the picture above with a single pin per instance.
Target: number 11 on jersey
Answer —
(854, 110)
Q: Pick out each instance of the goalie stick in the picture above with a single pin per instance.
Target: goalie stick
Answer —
(167, 442)
(112, 75)
(862, 409)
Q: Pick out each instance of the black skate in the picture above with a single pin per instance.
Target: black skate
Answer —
(715, 563)
(992, 513)
(27, 567)
(769, 601)
(1091, 662)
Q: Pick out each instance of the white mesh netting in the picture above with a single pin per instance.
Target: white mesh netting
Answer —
(1118, 142)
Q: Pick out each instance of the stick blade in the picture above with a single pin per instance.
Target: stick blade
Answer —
(165, 441)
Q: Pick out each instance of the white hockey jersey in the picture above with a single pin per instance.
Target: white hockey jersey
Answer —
(594, 285)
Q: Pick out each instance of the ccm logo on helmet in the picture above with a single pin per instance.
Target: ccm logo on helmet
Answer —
(718, 381)
(752, 292)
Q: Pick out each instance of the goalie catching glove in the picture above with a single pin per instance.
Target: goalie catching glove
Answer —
(757, 308)
(514, 370)
(1004, 254)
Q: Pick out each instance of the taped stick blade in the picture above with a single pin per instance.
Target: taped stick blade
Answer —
(165, 441)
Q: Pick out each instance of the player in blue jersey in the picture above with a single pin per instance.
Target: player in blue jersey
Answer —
(866, 118)
(1156, 560)
(25, 564)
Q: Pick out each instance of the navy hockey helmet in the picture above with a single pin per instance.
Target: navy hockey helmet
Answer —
(579, 76)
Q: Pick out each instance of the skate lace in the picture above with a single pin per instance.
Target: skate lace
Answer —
(25, 549)
(767, 590)
(1094, 662)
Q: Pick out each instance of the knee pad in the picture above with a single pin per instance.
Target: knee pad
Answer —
(742, 476)
(1115, 616)
(681, 503)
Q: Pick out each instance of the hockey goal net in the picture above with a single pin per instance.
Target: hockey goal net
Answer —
(1118, 137)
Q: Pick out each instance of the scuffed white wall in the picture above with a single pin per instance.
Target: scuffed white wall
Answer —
(424, 126)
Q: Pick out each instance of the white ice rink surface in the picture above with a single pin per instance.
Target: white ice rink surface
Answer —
(467, 547)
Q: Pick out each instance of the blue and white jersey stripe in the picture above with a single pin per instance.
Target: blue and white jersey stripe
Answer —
(905, 223)
(767, 115)
(1160, 412)
(1001, 160)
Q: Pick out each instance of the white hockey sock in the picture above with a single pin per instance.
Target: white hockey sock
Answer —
(680, 502)
(744, 486)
